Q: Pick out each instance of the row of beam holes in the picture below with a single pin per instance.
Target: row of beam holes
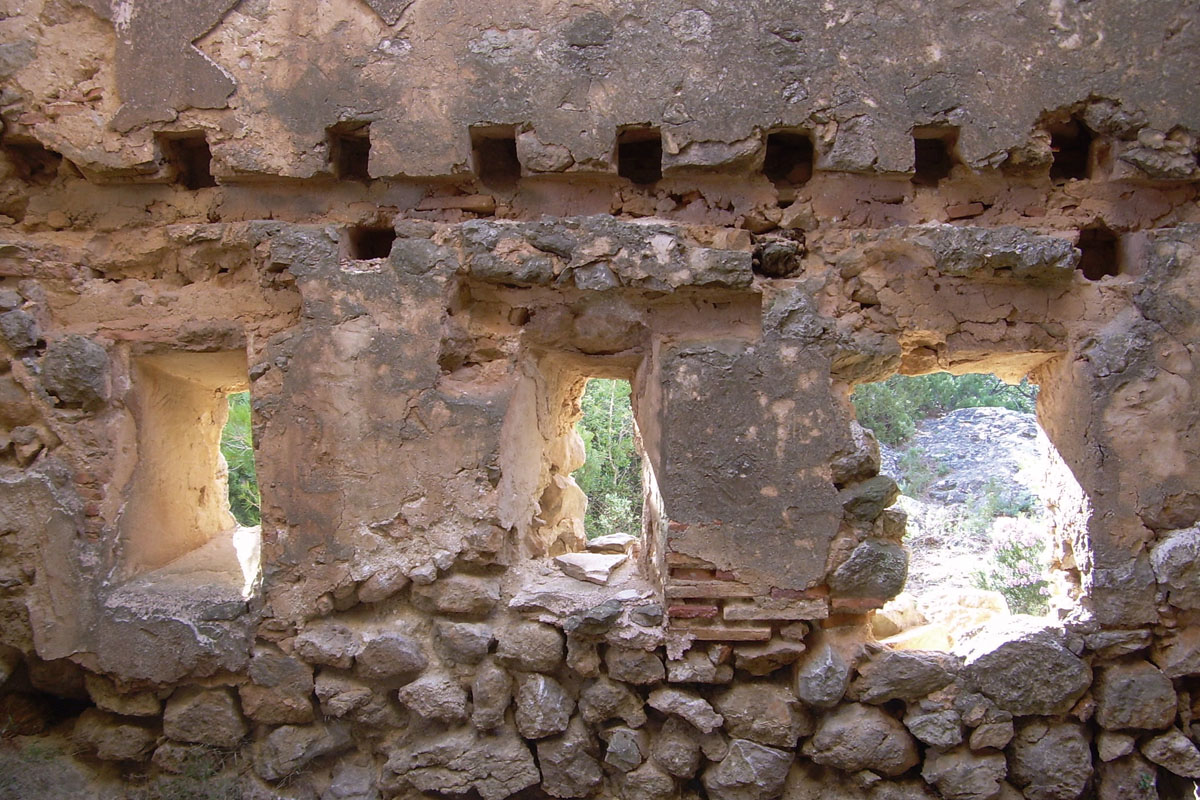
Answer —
(788, 163)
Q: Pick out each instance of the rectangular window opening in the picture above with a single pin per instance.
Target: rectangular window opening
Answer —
(639, 155)
(189, 158)
(1100, 252)
(350, 150)
(494, 149)
(789, 158)
(1071, 146)
(192, 507)
(934, 158)
(987, 498)
(611, 475)
(365, 242)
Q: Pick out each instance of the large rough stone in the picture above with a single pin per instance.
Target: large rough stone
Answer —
(603, 700)
(114, 738)
(391, 657)
(280, 690)
(568, 762)
(1134, 695)
(288, 749)
(467, 595)
(328, 643)
(543, 706)
(1128, 778)
(633, 666)
(591, 567)
(822, 676)
(106, 696)
(867, 500)
(677, 748)
(859, 460)
(204, 716)
(531, 647)
(1004, 251)
(697, 666)
(750, 771)
(75, 370)
(765, 657)
(625, 748)
(902, 675)
(340, 694)
(937, 728)
(648, 782)
(875, 569)
(495, 765)
(1024, 668)
(1176, 561)
(959, 774)
(856, 737)
(766, 713)
(435, 696)
(687, 706)
(1050, 760)
(1174, 751)
(491, 692)
(463, 642)
(1178, 654)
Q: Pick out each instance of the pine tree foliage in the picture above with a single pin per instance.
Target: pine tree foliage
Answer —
(237, 447)
(611, 477)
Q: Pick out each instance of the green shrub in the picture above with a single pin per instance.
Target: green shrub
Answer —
(1018, 572)
(237, 447)
(612, 475)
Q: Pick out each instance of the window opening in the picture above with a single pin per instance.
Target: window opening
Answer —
(190, 158)
(987, 499)
(611, 475)
(1100, 253)
(495, 152)
(365, 242)
(934, 155)
(350, 150)
(1071, 145)
(789, 158)
(639, 155)
(237, 448)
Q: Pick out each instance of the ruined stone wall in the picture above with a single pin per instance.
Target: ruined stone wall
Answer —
(414, 229)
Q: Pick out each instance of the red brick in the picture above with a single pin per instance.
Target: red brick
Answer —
(964, 210)
(706, 589)
(692, 612)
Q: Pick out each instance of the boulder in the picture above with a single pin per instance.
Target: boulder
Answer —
(280, 689)
(496, 765)
(1050, 760)
(463, 642)
(467, 595)
(821, 675)
(626, 748)
(602, 700)
(114, 738)
(1022, 665)
(859, 459)
(530, 647)
(75, 370)
(288, 749)
(766, 713)
(866, 500)
(687, 706)
(390, 657)
(1176, 562)
(875, 569)
(1134, 695)
(1127, 778)
(543, 706)
(1175, 752)
(491, 692)
(435, 696)
(568, 762)
(960, 774)
(750, 771)
(855, 737)
(676, 748)
(648, 782)
(204, 716)
(328, 643)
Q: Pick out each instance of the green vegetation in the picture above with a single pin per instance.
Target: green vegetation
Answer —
(1018, 572)
(612, 474)
(207, 774)
(892, 408)
(238, 449)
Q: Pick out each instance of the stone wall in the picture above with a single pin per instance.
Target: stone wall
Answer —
(414, 230)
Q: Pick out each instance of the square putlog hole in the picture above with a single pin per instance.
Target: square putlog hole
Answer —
(933, 151)
(365, 242)
(494, 149)
(190, 159)
(350, 150)
(1071, 145)
(639, 155)
(1100, 252)
(789, 158)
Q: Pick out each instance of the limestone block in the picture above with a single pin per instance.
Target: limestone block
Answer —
(854, 737)
(114, 738)
(568, 762)
(633, 666)
(1024, 668)
(959, 774)
(902, 675)
(688, 706)
(1050, 760)
(530, 647)
(1134, 695)
(204, 716)
(543, 706)
(766, 713)
(435, 696)
(749, 772)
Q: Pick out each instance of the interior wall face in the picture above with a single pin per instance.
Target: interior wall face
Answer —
(407, 229)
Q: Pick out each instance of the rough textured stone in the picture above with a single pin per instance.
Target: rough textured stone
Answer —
(625, 750)
(391, 657)
(592, 567)
(822, 676)
(690, 707)
(328, 643)
(495, 765)
(531, 647)
(959, 774)
(1176, 562)
(875, 569)
(676, 748)
(1178, 655)
(543, 706)
(491, 692)
(1111, 745)
(603, 699)
(130, 704)
(749, 772)
(647, 782)
(766, 713)
(288, 749)
(463, 642)
(75, 370)
(697, 666)
(568, 762)
(901, 675)
(459, 594)
(868, 499)
(1134, 695)
(633, 666)
(939, 729)
(856, 736)
(992, 735)
(1024, 668)
(763, 659)
(1050, 761)
(204, 716)
(114, 738)
(281, 689)
(435, 696)
(1128, 778)
(1175, 752)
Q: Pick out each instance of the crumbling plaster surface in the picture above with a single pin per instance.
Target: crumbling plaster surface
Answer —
(410, 634)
